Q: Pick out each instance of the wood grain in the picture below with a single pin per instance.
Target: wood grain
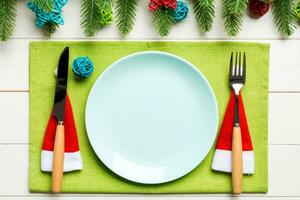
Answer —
(284, 107)
(283, 168)
(143, 197)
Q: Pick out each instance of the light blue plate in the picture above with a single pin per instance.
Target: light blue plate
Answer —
(151, 117)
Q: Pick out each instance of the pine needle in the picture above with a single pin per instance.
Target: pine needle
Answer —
(49, 29)
(164, 20)
(126, 12)
(46, 5)
(232, 14)
(91, 15)
(205, 13)
(284, 16)
(8, 13)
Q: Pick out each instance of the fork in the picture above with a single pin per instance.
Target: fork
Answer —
(237, 78)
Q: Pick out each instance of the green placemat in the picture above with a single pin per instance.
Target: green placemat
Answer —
(211, 58)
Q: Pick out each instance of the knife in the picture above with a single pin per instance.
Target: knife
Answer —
(59, 113)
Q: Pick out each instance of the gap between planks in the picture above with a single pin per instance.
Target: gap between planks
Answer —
(153, 39)
(146, 196)
(270, 92)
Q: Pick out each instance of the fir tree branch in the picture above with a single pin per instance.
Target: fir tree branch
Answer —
(205, 13)
(232, 14)
(92, 15)
(49, 29)
(46, 5)
(104, 4)
(164, 20)
(8, 13)
(284, 16)
(89, 17)
(126, 12)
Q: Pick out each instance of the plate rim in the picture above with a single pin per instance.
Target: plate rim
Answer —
(189, 64)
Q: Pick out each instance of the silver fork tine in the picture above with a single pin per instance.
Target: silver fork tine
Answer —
(231, 70)
(236, 65)
(244, 67)
(240, 64)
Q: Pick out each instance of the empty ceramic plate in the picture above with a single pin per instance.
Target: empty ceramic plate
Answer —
(151, 117)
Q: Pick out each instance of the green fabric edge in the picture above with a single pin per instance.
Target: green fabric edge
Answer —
(262, 45)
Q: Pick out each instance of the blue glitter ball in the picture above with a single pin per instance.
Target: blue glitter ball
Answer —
(82, 67)
(181, 11)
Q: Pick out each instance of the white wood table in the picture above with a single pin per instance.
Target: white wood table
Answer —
(284, 105)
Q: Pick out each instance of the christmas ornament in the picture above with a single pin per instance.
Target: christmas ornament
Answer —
(107, 17)
(181, 11)
(53, 17)
(82, 67)
(170, 4)
(154, 5)
(258, 8)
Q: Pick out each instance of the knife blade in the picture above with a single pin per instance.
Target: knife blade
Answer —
(59, 113)
(61, 86)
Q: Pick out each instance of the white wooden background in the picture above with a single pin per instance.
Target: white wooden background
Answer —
(284, 108)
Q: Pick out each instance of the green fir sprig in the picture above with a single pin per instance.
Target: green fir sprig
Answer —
(205, 13)
(284, 16)
(232, 14)
(8, 13)
(93, 13)
(46, 5)
(164, 20)
(125, 15)
(49, 29)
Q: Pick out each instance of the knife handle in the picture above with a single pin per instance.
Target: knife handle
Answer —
(58, 158)
(237, 161)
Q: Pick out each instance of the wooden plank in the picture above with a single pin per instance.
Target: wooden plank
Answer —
(14, 65)
(284, 65)
(15, 105)
(284, 112)
(13, 169)
(253, 29)
(14, 109)
(284, 176)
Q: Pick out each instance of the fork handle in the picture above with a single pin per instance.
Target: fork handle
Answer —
(237, 161)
